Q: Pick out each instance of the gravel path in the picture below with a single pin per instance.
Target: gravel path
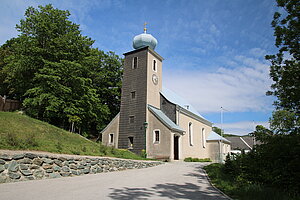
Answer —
(176, 180)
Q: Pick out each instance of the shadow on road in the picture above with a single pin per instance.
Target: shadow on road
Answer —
(170, 190)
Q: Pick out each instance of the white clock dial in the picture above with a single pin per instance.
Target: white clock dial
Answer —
(155, 79)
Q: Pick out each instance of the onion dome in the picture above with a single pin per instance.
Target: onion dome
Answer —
(144, 40)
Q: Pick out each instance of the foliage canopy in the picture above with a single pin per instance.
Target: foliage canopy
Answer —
(57, 74)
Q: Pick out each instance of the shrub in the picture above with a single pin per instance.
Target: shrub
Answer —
(190, 159)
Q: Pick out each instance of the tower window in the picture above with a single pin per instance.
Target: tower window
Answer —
(133, 95)
(191, 133)
(154, 65)
(130, 142)
(156, 136)
(131, 119)
(111, 138)
(134, 62)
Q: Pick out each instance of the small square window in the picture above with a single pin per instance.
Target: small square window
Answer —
(131, 119)
(133, 95)
(135, 62)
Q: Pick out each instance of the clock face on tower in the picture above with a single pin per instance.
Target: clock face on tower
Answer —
(155, 79)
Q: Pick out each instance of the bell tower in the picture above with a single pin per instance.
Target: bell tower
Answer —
(142, 84)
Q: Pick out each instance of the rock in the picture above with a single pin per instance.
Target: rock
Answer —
(85, 170)
(48, 161)
(38, 174)
(38, 161)
(2, 162)
(80, 167)
(23, 167)
(29, 177)
(25, 161)
(5, 157)
(88, 160)
(2, 168)
(49, 170)
(4, 179)
(56, 168)
(18, 156)
(13, 166)
(71, 161)
(45, 166)
(13, 175)
(74, 172)
(34, 167)
(94, 162)
(65, 169)
(30, 155)
(62, 159)
(58, 162)
(26, 172)
(54, 175)
(73, 166)
(65, 174)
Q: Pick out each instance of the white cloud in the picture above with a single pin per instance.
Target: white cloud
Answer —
(241, 128)
(239, 88)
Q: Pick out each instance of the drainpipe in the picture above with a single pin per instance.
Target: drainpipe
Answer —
(145, 128)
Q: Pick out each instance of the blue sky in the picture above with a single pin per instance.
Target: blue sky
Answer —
(214, 50)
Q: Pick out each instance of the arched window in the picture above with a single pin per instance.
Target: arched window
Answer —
(191, 133)
(154, 65)
(134, 62)
(203, 138)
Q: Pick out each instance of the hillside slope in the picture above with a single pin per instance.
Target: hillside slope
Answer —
(20, 132)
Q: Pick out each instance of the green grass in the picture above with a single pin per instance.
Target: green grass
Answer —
(20, 132)
(190, 159)
(242, 191)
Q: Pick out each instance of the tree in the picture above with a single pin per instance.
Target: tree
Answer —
(53, 69)
(285, 69)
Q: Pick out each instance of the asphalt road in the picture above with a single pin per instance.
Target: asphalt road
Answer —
(177, 180)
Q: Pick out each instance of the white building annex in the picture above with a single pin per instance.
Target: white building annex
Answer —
(155, 119)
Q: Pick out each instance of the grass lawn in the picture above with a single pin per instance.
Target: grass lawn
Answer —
(20, 132)
(242, 191)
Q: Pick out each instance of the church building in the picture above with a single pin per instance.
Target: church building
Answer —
(154, 119)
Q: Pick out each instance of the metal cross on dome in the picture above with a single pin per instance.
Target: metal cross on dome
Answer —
(145, 28)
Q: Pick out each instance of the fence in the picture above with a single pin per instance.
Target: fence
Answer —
(8, 104)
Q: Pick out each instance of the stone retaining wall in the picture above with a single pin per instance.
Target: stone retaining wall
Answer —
(31, 166)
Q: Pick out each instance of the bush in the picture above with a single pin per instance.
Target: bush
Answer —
(190, 159)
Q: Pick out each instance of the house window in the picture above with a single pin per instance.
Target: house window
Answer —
(131, 119)
(203, 138)
(156, 136)
(191, 133)
(111, 138)
(134, 62)
(133, 95)
(130, 142)
(154, 65)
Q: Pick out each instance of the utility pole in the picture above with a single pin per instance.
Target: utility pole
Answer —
(221, 144)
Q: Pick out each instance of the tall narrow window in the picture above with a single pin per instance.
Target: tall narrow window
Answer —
(134, 62)
(203, 138)
(130, 142)
(131, 119)
(133, 95)
(191, 133)
(156, 136)
(111, 138)
(154, 65)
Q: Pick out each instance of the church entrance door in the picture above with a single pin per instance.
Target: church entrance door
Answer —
(176, 147)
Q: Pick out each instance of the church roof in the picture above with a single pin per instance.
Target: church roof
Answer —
(164, 119)
(213, 136)
(180, 101)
